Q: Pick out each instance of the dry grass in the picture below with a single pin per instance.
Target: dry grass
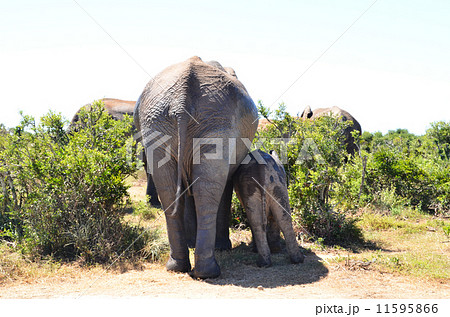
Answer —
(16, 267)
(411, 243)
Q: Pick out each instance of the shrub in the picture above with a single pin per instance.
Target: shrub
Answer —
(413, 169)
(393, 171)
(157, 246)
(67, 192)
(145, 211)
(410, 180)
(313, 155)
(440, 134)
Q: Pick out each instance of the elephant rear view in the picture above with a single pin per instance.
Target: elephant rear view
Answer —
(261, 188)
(192, 118)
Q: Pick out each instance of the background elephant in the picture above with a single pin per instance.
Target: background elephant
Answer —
(117, 109)
(189, 104)
(349, 140)
(261, 188)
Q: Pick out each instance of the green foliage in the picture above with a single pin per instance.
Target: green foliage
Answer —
(390, 169)
(313, 153)
(440, 133)
(334, 228)
(145, 211)
(64, 193)
(391, 172)
(446, 230)
(412, 170)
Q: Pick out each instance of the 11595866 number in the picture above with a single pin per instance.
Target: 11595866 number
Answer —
(407, 308)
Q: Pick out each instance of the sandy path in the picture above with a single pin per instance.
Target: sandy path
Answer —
(238, 280)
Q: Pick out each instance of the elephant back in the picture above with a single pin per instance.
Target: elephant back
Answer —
(116, 108)
(213, 102)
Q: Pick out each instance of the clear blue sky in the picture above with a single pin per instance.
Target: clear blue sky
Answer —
(391, 69)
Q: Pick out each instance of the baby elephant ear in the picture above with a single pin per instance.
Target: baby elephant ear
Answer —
(274, 154)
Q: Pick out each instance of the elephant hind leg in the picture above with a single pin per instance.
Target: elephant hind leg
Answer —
(151, 193)
(282, 216)
(165, 181)
(190, 221)
(223, 219)
(256, 214)
(273, 235)
(207, 190)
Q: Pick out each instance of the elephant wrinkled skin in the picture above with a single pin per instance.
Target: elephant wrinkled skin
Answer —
(184, 106)
(261, 188)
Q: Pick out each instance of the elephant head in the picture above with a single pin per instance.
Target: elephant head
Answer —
(351, 146)
(307, 113)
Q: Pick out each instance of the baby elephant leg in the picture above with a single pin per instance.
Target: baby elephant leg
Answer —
(273, 235)
(255, 215)
(284, 220)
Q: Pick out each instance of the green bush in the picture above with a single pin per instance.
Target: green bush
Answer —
(440, 134)
(391, 172)
(64, 194)
(394, 170)
(413, 170)
(314, 154)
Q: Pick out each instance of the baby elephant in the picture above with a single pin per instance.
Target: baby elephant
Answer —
(261, 188)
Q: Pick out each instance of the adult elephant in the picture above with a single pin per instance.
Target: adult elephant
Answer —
(193, 117)
(336, 111)
(117, 109)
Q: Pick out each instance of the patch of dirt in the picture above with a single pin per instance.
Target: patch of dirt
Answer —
(240, 278)
(319, 277)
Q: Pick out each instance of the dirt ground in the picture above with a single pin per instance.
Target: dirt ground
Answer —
(319, 277)
(240, 279)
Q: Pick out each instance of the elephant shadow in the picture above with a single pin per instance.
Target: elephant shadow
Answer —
(239, 268)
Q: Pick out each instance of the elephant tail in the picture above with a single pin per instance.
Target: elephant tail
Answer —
(181, 173)
(136, 121)
(264, 208)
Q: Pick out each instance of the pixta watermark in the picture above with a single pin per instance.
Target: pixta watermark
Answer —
(161, 148)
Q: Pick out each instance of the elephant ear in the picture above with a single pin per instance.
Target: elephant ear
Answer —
(278, 161)
(231, 71)
(307, 113)
(274, 153)
(215, 64)
(275, 156)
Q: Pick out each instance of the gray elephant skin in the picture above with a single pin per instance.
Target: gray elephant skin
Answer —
(261, 188)
(185, 103)
(351, 146)
(117, 108)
